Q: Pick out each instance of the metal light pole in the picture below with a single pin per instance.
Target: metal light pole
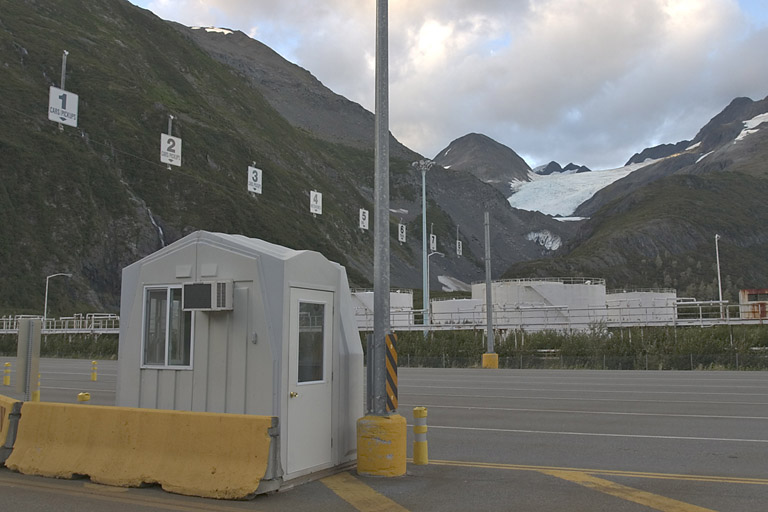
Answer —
(424, 166)
(45, 309)
(425, 256)
(490, 358)
(381, 436)
(429, 256)
(381, 319)
(719, 282)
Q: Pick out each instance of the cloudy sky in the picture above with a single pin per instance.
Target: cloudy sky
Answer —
(588, 81)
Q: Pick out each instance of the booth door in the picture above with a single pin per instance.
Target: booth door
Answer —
(309, 380)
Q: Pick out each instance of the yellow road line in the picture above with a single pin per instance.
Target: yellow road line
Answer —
(359, 495)
(647, 499)
(605, 472)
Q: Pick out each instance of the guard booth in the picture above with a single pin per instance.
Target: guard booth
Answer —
(228, 324)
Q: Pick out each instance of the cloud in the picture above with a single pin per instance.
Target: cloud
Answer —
(590, 81)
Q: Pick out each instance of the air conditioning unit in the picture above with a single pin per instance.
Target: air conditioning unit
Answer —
(207, 296)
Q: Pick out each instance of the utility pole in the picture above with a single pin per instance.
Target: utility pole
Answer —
(490, 358)
(381, 434)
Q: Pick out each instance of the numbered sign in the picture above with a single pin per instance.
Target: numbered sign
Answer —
(458, 247)
(432, 243)
(316, 203)
(254, 180)
(62, 106)
(401, 233)
(363, 219)
(170, 149)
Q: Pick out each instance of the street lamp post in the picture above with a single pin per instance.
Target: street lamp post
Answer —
(719, 281)
(45, 308)
(424, 166)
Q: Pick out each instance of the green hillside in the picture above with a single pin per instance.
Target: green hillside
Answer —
(79, 200)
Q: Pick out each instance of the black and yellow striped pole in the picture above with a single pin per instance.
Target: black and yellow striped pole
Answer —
(391, 372)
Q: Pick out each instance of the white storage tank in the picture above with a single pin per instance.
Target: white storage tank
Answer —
(400, 307)
(457, 311)
(642, 306)
(546, 303)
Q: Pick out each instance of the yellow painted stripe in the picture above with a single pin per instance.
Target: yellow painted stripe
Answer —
(606, 472)
(654, 501)
(359, 495)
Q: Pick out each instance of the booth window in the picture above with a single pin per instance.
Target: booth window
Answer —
(167, 329)
(311, 337)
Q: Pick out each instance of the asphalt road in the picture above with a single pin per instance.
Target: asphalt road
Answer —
(526, 440)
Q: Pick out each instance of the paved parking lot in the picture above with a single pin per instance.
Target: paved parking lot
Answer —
(532, 440)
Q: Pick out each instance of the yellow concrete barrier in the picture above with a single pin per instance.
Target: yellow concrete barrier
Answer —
(194, 453)
(9, 413)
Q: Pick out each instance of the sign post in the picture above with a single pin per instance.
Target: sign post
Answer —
(315, 203)
(254, 179)
(170, 147)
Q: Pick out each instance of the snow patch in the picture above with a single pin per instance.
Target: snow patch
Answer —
(694, 146)
(751, 126)
(546, 239)
(705, 155)
(561, 193)
(214, 29)
(451, 284)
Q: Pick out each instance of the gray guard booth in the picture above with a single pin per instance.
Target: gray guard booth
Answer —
(230, 324)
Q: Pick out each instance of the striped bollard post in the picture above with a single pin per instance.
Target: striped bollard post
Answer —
(420, 452)
(391, 339)
(93, 370)
(7, 374)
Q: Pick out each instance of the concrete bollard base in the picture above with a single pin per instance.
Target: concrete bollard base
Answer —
(381, 445)
(491, 360)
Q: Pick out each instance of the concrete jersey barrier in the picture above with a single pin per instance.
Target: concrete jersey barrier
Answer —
(229, 456)
(9, 418)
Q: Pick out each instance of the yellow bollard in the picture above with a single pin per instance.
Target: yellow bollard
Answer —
(7, 374)
(83, 397)
(491, 360)
(93, 370)
(420, 453)
(36, 393)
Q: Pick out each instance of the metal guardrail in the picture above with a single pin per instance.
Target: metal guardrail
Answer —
(529, 318)
(92, 323)
(533, 318)
(563, 280)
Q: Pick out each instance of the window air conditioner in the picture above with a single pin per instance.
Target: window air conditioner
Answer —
(207, 296)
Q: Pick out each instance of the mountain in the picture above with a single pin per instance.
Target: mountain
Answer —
(93, 199)
(490, 161)
(655, 227)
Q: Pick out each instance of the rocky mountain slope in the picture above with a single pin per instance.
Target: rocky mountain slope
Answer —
(656, 227)
(490, 161)
(93, 199)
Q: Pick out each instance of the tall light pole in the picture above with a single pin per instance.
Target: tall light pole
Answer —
(719, 282)
(45, 308)
(424, 166)
(381, 433)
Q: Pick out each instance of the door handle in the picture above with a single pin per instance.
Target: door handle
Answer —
(294, 394)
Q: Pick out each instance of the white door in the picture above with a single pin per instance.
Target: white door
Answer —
(309, 380)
